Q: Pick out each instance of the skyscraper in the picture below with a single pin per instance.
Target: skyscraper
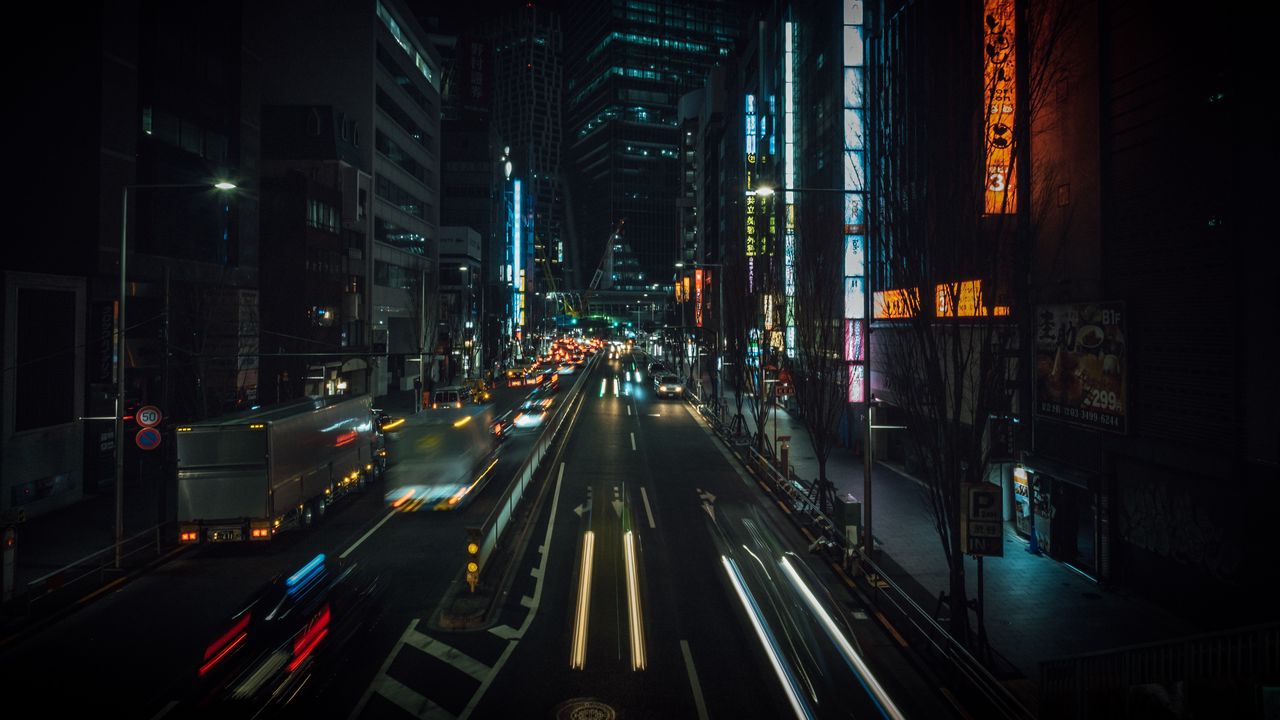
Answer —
(527, 90)
(627, 64)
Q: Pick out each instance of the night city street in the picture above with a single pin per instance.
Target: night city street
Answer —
(641, 359)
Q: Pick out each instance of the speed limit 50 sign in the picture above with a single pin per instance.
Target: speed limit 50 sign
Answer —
(148, 416)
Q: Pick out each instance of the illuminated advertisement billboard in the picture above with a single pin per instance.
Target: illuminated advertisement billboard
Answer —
(1081, 364)
(855, 173)
(999, 85)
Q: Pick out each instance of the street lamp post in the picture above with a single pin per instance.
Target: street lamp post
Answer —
(117, 344)
(868, 540)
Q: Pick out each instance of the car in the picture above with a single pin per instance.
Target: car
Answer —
(450, 397)
(501, 427)
(656, 367)
(667, 385)
(530, 415)
(287, 641)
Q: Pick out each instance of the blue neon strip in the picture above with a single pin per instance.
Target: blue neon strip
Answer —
(307, 571)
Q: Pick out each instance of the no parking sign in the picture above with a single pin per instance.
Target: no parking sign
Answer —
(148, 438)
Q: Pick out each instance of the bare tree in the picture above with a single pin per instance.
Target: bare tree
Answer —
(819, 370)
(951, 259)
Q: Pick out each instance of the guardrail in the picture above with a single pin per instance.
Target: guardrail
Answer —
(955, 659)
(1229, 666)
(95, 568)
(490, 531)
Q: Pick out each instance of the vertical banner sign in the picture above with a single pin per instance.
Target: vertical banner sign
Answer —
(697, 297)
(789, 181)
(752, 239)
(855, 188)
(999, 84)
(517, 220)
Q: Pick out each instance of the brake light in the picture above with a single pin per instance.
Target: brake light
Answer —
(304, 645)
(188, 536)
(223, 646)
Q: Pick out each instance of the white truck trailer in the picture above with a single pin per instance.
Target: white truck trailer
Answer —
(246, 476)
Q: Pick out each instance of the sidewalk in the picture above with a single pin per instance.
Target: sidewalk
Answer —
(1036, 607)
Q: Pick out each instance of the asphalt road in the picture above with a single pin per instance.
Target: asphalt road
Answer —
(653, 580)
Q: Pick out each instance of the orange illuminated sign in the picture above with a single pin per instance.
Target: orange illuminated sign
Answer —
(697, 301)
(999, 85)
(962, 299)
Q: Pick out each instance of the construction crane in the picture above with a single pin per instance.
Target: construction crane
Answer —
(552, 291)
(604, 263)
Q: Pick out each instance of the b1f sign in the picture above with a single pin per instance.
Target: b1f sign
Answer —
(982, 524)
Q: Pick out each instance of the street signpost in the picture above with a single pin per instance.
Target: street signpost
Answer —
(982, 526)
(148, 438)
(148, 416)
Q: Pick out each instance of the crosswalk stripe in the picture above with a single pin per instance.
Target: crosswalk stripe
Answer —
(448, 654)
(408, 699)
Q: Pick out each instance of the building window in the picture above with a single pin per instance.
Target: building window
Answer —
(400, 197)
(322, 216)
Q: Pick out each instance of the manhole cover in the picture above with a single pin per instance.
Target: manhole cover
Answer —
(585, 709)
(1091, 596)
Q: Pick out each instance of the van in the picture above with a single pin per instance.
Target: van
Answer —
(450, 397)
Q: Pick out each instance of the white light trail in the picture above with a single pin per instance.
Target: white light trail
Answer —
(766, 640)
(578, 654)
(638, 661)
(851, 656)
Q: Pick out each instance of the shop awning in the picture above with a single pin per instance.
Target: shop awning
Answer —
(354, 364)
(1059, 470)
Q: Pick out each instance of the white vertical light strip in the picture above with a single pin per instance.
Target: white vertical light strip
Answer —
(515, 242)
(855, 173)
(789, 181)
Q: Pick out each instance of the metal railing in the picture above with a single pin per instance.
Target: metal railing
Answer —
(490, 531)
(98, 568)
(1232, 663)
(952, 656)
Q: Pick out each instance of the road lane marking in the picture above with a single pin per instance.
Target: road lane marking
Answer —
(364, 537)
(633, 441)
(647, 510)
(693, 681)
(533, 607)
(409, 700)
(165, 710)
(382, 681)
(628, 409)
(449, 654)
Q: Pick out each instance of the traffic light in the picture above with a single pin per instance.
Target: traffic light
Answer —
(473, 557)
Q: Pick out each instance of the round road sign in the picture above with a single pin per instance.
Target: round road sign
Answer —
(148, 416)
(148, 438)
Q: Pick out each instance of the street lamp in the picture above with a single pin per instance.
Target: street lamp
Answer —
(117, 342)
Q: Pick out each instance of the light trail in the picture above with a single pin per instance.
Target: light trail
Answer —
(851, 656)
(766, 639)
(578, 654)
(638, 660)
